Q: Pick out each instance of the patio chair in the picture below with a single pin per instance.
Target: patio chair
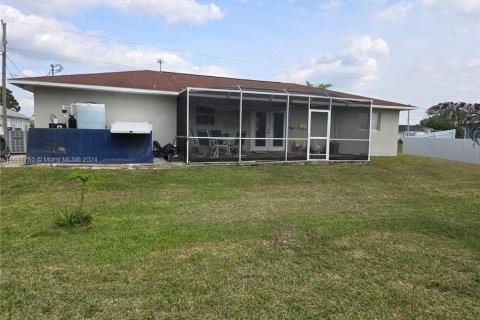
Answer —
(195, 142)
(204, 144)
(219, 145)
(236, 143)
(298, 145)
(228, 141)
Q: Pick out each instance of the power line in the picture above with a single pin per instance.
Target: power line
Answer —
(197, 54)
(18, 69)
(135, 67)
(105, 62)
(72, 58)
(129, 66)
(9, 72)
(147, 45)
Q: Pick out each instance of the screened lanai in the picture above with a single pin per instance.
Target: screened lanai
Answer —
(258, 125)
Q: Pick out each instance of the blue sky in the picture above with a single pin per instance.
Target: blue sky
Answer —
(419, 52)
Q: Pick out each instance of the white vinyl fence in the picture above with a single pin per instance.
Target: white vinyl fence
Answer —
(462, 150)
(446, 134)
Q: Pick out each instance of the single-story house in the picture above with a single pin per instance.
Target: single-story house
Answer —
(412, 130)
(15, 121)
(220, 119)
(16, 133)
(444, 134)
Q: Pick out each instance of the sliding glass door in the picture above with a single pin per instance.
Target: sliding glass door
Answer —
(268, 131)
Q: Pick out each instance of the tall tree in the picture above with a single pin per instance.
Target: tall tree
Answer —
(320, 86)
(12, 103)
(441, 123)
(463, 115)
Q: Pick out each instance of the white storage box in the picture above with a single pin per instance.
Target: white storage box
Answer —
(131, 127)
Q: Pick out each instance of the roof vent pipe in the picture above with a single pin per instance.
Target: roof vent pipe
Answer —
(160, 61)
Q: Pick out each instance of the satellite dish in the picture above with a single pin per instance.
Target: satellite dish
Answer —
(55, 68)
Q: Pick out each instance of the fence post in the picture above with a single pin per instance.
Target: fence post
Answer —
(25, 135)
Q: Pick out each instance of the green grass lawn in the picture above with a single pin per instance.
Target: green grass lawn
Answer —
(397, 239)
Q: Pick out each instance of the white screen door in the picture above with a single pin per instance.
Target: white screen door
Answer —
(318, 135)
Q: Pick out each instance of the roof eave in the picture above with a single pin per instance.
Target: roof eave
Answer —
(27, 84)
(30, 85)
(284, 93)
(398, 107)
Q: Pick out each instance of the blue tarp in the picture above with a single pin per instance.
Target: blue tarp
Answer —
(87, 146)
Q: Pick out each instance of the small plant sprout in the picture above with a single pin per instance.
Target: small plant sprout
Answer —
(84, 177)
(77, 216)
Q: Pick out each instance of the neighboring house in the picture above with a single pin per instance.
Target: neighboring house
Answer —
(412, 130)
(15, 121)
(444, 134)
(206, 114)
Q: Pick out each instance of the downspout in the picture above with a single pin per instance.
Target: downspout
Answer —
(286, 125)
(408, 123)
(240, 129)
(188, 122)
(329, 122)
(370, 130)
(308, 130)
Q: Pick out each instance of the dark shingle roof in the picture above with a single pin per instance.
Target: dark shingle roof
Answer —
(13, 114)
(171, 81)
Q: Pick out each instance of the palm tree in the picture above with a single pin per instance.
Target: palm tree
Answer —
(323, 86)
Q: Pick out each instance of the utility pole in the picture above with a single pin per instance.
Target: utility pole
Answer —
(4, 76)
(408, 123)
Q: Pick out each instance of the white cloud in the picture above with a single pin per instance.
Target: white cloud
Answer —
(396, 13)
(48, 43)
(330, 5)
(189, 12)
(427, 2)
(474, 64)
(464, 71)
(26, 104)
(213, 71)
(465, 6)
(356, 65)
(450, 80)
(366, 45)
(33, 73)
(255, 2)
(469, 5)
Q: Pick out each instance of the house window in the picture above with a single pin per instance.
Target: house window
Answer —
(205, 115)
(376, 120)
(363, 121)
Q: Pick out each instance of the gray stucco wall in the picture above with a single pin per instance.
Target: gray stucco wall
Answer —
(384, 141)
(159, 111)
